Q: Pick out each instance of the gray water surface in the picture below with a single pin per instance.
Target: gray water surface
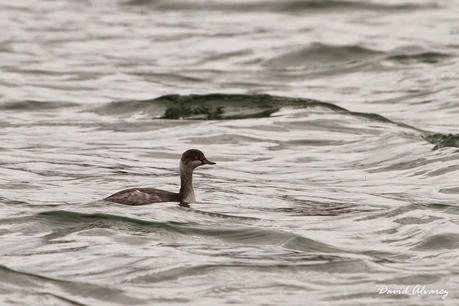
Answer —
(334, 125)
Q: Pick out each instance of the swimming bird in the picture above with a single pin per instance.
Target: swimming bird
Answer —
(190, 160)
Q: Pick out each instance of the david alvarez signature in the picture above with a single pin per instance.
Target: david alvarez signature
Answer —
(413, 290)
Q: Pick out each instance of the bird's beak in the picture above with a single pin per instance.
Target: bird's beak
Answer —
(205, 161)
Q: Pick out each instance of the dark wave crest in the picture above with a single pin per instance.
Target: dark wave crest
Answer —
(32, 105)
(429, 57)
(210, 106)
(318, 55)
(291, 6)
(442, 140)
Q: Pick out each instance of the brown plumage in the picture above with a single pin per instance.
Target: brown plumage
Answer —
(190, 160)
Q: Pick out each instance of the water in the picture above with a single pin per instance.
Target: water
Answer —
(333, 125)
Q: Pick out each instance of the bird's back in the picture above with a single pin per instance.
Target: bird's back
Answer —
(142, 196)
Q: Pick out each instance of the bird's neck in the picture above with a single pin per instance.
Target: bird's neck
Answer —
(186, 184)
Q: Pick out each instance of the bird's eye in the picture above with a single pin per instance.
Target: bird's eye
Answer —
(195, 157)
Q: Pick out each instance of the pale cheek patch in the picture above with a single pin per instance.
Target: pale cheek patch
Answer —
(196, 163)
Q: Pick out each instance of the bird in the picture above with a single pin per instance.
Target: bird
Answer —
(190, 160)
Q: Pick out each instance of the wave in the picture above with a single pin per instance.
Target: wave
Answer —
(289, 6)
(210, 106)
(32, 105)
(310, 262)
(440, 241)
(322, 59)
(429, 57)
(69, 222)
(318, 55)
(240, 106)
(442, 140)
(70, 291)
(64, 223)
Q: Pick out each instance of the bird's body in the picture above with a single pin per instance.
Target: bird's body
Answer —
(142, 196)
(190, 160)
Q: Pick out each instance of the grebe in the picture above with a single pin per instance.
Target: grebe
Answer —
(190, 160)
